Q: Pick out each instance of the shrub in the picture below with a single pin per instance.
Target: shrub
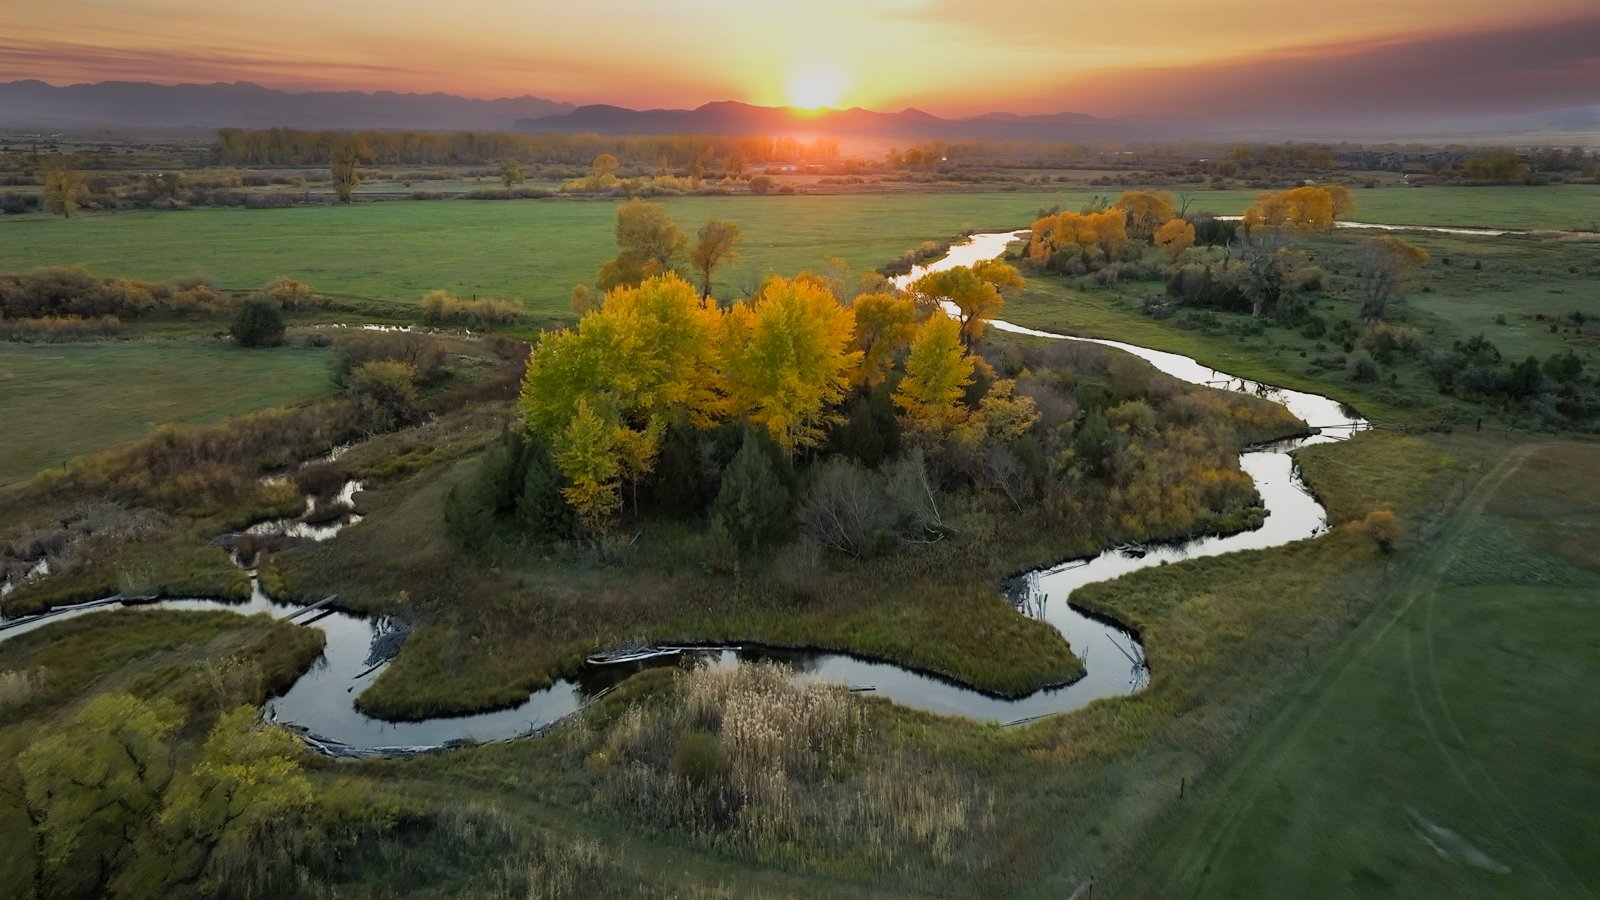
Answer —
(440, 307)
(384, 391)
(761, 184)
(1361, 366)
(1382, 526)
(258, 323)
(291, 294)
(52, 329)
(422, 353)
(845, 509)
(700, 758)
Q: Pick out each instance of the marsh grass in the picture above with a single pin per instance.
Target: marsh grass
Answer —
(801, 779)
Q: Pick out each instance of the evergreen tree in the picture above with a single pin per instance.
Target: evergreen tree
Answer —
(541, 509)
(752, 507)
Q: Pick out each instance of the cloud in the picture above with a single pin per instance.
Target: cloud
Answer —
(1526, 67)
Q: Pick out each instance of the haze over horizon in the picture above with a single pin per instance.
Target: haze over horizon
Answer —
(1152, 58)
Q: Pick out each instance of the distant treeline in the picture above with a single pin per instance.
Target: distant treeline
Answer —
(294, 147)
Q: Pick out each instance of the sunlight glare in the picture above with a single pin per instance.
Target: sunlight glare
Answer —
(815, 86)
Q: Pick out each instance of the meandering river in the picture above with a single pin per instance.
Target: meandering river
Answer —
(320, 703)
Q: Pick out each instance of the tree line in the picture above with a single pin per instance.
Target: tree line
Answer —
(298, 147)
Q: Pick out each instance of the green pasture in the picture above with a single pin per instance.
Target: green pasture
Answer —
(1447, 749)
(61, 400)
(536, 250)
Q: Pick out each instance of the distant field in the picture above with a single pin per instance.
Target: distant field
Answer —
(61, 400)
(537, 250)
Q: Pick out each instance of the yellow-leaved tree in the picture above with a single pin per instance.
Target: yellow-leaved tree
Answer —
(975, 292)
(1300, 209)
(883, 327)
(646, 356)
(1146, 211)
(587, 452)
(1174, 237)
(787, 359)
(938, 371)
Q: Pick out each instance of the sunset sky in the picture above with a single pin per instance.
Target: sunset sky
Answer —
(949, 57)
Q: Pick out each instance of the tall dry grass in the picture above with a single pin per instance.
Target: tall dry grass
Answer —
(800, 778)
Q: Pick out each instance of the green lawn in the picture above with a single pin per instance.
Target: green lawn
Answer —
(537, 250)
(1448, 749)
(61, 400)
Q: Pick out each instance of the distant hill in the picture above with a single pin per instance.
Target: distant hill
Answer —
(34, 104)
(730, 118)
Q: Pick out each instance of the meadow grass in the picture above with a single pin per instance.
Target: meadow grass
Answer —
(1443, 749)
(64, 400)
(537, 250)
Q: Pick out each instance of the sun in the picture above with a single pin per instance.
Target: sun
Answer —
(815, 86)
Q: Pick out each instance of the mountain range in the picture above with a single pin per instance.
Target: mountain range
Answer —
(37, 105)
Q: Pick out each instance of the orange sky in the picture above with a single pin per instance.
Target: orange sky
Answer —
(943, 56)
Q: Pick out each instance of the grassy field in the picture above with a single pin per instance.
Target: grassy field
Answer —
(63, 400)
(1415, 763)
(536, 250)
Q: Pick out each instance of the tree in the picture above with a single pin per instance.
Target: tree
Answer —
(603, 165)
(1344, 202)
(718, 243)
(1146, 211)
(62, 189)
(92, 785)
(1386, 262)
(937, 374)
(1174, 237)
(1261, 263)
(258, 323)
(164, 186)
(588, 455)
(344, 162)
(541, 509)
(648, 244)
(511, 173)
(761, 184)
(884, 325)
(787, 360)
(1304, 209)
(248, 781)
(752, 506)
(975, 291)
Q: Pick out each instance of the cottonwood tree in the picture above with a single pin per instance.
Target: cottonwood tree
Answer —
(1260, 265)
(976, 292)
(718, 244)
(884, 326)
(787, 359)
(649, 243)
(1304, 209)
(344, 162)
(1174, 237)
(248, 782)
(938, 371)
(1386, 262)
(511, 173)
(1146, 211)
(92, 786)
(62, 189)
